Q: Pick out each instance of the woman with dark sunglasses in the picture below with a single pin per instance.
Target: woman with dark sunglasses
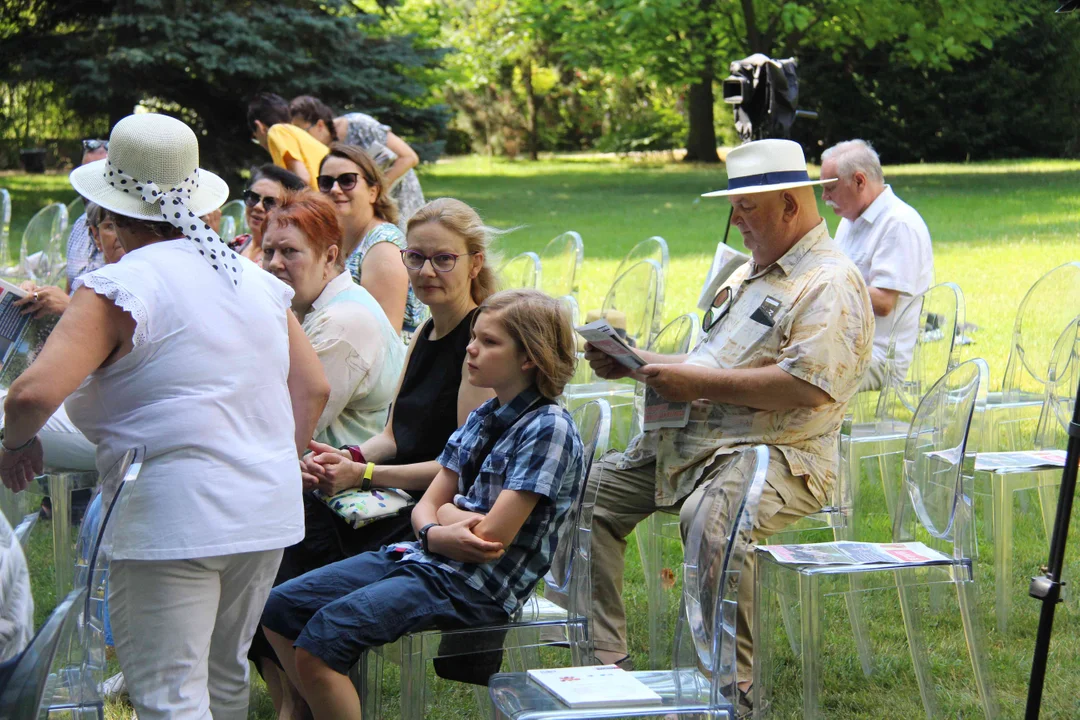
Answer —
(266, 189)
(349, 177)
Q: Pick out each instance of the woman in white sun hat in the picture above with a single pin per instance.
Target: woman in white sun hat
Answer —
(155, 351)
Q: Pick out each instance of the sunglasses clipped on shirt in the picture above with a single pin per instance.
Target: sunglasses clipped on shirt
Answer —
(252, 198)
(345, 181)
(91, 145)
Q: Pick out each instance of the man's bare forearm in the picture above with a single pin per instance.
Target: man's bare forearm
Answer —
(764, 388)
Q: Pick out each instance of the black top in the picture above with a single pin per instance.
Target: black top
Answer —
(425, 412)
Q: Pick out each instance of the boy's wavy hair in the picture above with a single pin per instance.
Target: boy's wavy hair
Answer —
(540, 326)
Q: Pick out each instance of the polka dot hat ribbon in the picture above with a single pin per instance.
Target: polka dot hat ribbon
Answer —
(172, 204)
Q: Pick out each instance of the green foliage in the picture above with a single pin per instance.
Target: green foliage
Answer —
(1019, 98)
(202, 60)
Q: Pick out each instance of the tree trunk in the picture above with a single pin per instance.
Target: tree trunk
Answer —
(701, 136)
(530, 101)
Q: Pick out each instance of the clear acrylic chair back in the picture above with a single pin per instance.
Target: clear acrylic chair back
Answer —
(1047, 307)
(715, 549)
(635, 294)
(938, 464)
(561, 260)
(520, 271)
(940, 310)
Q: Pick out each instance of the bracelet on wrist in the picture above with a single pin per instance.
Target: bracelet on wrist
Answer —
(355, 453)
(365, 484)
(25, 445)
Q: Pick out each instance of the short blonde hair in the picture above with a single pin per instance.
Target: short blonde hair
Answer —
(462, 220)
(540, 325)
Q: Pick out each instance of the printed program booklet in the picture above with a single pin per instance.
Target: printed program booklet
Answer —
(1022, 460)
(855, 553)
(596, 686)
(12, 321)
(659, 413)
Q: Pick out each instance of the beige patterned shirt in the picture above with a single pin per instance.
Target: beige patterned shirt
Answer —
(822, 332)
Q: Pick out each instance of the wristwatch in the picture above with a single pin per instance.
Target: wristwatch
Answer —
(423, 535)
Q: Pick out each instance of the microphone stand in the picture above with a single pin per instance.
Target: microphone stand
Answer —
(1047, 587)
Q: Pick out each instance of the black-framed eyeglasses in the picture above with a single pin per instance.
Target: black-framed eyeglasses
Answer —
(345, 181)
(92, 144)
(721, 304)
(441, 262)
(252, 198)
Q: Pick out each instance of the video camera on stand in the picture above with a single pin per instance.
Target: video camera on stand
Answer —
(765, 93)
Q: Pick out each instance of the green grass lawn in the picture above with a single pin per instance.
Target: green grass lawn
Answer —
(996, 228)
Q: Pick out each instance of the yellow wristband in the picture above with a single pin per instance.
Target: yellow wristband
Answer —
(368, 472)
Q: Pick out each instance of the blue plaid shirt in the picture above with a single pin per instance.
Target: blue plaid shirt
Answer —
(82, 254)
(542, 454)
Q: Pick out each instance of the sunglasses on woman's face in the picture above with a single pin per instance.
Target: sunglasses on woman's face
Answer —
(92, 145)
(345, 181)
(442, 262)
(252, 198)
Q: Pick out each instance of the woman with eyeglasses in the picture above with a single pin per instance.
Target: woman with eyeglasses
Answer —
(373, 242)
(446, 260)
(267, 188)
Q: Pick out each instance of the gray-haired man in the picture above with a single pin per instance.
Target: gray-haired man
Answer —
(886, 239)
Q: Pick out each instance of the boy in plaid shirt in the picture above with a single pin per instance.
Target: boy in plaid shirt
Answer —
(486, 527)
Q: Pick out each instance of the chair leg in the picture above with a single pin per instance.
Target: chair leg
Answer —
(853, 598)
(64, 564)
(1003, 532)
(649, 540)
(973, 634)
(810, 602)
(413, 678)
(917, 643)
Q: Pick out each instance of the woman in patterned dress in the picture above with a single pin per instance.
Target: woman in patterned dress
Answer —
(392, 154)
(373, 242)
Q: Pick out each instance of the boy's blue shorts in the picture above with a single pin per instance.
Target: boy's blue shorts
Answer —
(339, 611)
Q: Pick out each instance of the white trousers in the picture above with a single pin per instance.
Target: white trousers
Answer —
(182, 631)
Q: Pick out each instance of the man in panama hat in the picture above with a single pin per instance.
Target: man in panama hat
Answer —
(787, 340)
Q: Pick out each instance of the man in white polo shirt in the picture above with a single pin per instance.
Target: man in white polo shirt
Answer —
(887, 240)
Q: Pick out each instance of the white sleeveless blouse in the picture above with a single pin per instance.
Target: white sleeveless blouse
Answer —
(205, 392)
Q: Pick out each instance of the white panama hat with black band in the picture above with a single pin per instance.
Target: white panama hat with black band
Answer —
(766, 166)
(152, 173)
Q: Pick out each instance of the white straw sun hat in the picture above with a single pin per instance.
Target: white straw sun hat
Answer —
(152, 173)
(766, 166)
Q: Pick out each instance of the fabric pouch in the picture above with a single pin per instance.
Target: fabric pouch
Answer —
(363, 507)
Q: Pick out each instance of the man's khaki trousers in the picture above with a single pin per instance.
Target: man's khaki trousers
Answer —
(626, 497)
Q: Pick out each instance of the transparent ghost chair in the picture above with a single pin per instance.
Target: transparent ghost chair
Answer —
(41, 250)
(878, 438)
(75, 209)
(520, 271)
(228, 229)
(562, 259)
(236, 210)
(677, 338)
(934, 507)
(630, 308)
(25, 681)
(655, 249)
(5, 228)
(1002, 487)
(540, 622)
(84, 672)
(702, 681)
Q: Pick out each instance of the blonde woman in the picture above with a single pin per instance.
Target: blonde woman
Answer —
(485, 530)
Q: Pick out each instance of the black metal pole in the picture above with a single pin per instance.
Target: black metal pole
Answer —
(1047, 587)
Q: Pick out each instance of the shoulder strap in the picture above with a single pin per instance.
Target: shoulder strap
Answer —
(471, 470)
